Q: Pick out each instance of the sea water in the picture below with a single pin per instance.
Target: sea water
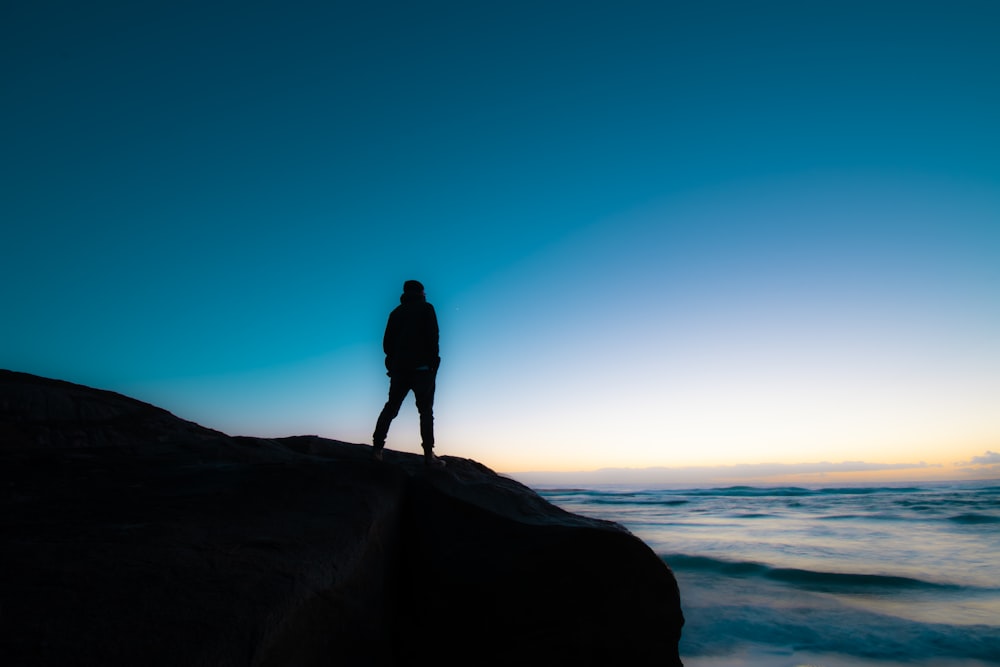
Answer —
(826, 577)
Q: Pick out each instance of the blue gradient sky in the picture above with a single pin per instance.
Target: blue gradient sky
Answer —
(656, 234)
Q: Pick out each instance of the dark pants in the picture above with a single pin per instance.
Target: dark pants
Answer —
(421, 383)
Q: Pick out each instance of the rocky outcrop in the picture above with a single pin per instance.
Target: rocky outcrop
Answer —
(133, 537)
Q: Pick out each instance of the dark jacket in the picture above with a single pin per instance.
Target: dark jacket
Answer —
(411, 336)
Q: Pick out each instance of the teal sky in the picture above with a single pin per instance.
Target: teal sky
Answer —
(656, 233)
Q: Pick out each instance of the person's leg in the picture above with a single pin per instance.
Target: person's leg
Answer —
(423, 392)
(398, 389)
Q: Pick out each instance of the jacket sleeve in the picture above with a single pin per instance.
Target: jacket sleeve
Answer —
(433, 336)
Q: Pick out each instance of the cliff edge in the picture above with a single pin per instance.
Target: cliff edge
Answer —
(131, 536)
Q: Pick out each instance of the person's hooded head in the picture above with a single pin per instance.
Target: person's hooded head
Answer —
(413, 290)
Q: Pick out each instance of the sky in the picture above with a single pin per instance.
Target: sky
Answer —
(721, 240)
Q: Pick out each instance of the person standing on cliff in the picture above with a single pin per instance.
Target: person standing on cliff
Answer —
(412, 359)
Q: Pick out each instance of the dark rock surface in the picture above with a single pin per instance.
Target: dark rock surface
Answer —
(133, 537)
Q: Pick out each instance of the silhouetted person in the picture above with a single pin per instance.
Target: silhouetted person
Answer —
(412, 358)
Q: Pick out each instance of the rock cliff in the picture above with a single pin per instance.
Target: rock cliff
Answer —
(133, 537)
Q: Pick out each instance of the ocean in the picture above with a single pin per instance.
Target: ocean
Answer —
(858, 576)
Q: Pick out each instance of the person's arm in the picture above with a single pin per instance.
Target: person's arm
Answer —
(433, 336)
(389, 339)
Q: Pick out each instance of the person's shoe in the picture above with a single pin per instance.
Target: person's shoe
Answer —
(432, 461)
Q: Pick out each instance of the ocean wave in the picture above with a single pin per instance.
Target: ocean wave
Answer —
(733, 622)
(796, 491)
(975, 519)
(639, 501)
(880, 516)
(926, 515)
(592, 497)
(806, 579)
(752, 491)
